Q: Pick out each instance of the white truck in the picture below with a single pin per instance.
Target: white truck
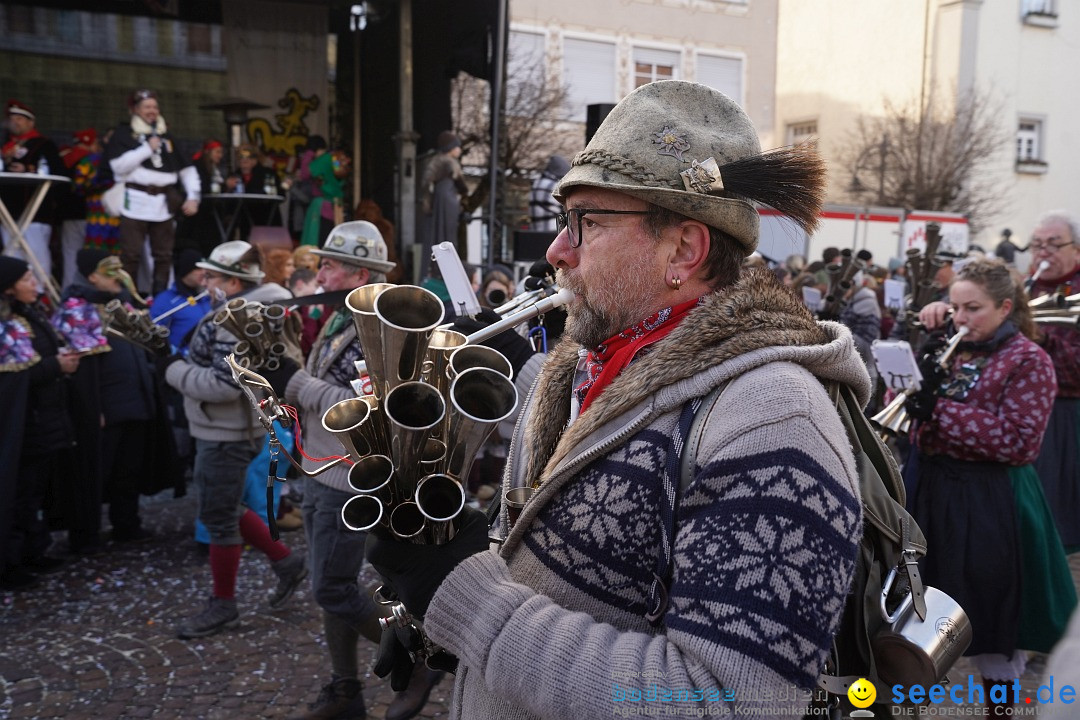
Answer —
(885, 232)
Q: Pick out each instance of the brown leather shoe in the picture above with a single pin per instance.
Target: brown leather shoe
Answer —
(410, 701)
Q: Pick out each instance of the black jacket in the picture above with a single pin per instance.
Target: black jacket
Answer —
(48, 426)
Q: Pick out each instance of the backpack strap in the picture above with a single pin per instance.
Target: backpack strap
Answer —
(678, 472)
(702, 411)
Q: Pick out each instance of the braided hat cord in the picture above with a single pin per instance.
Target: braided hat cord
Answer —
(625, 167)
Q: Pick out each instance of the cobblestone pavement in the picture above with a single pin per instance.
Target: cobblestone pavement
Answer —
(97, 639)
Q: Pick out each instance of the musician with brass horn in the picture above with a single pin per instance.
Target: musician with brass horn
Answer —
(1056, 241)
(354, 255)
(180, 307)
(734, 588)
(124, 447)
(992, 544)
(226, 427)
(1055, 270)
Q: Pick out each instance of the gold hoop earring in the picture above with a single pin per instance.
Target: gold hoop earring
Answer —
(676, 283)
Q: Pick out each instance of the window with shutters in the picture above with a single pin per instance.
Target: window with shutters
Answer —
(525, 68)
(588, 75)
(722, 73)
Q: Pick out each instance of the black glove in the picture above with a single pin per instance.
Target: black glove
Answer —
(414, 572)
(394, 658)
(515, 348)
(162, 363)
(279, 379)
(932, 373)
(921, 405)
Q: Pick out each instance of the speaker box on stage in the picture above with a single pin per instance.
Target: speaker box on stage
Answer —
(594, 115)
(531, 244)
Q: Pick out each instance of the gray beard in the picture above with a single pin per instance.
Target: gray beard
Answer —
(590, 328)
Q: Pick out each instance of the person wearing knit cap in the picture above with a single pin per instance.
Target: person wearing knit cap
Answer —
(712, 588)
(159, 183)
(11, 270)
(442, 188)
(34, 367)
(188, 293)
(179, 308)
(26, 150)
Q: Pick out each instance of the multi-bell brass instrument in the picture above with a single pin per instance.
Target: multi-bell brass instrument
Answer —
(841, 278)
(136, 327)
(429, 414)
(264, 333)
(411, 444)
(894, 420)
(920, 269)
(269, 410)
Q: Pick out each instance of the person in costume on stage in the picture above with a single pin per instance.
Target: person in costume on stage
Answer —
(992, 545)
(26, 150)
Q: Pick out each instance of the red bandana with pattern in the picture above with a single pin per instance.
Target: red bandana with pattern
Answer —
(605, 363)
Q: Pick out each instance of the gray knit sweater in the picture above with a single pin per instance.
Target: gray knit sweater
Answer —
(553, 625)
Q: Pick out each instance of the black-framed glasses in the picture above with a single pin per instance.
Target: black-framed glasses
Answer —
(1037, 247)
(563, 222)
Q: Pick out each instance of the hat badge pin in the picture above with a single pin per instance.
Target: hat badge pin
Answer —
(701, 176)
(671, 142)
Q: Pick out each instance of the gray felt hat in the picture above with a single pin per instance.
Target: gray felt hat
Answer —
(662, 144)
(357, 243)
(236, 258)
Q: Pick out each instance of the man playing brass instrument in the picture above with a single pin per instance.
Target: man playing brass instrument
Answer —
(226, 431)
(353, 255)
(605, 589)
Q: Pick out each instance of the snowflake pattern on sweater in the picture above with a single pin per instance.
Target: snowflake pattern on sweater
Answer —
(1004, 415)
(743, 540)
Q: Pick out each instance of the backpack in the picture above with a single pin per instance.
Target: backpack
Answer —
(891, 540)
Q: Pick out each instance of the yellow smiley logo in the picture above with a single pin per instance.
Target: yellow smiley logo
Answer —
(862, 693)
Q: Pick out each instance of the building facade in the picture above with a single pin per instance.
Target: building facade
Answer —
(841, 59)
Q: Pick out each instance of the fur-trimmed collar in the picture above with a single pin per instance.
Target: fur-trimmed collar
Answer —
(141, 127)
(755, 313)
